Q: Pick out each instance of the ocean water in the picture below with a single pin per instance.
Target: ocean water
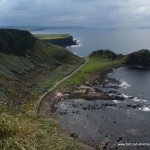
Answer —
(120, 40)
(135, 82)
(96, 121)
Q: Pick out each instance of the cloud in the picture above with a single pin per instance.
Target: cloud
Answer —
(91, 13)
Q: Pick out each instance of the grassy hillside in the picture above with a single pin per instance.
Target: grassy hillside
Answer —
(98, 60)
(26, 132)
(28, 67)
(22, 52)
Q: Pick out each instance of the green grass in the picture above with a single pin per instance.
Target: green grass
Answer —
(13, 63)
(54, 61)
(24, 132)
(94, 64)
(19, 131)
(42, 54)
(51, 77)
(50, 36)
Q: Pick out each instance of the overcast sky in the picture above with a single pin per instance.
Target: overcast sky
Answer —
(89, 13)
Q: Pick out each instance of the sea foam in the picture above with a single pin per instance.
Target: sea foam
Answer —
(145, 108)
(116, 101)
(126, 96)
(139, 100)
(124, 84)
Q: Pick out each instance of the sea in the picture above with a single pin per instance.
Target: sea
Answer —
(124, 123)
(121, 41)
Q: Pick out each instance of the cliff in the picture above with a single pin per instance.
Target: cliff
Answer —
(68, 41)
(138, 58)
(63, 40)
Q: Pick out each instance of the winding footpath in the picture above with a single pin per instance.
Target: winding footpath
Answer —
(36, 107)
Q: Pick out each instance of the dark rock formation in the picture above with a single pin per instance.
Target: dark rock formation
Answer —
(16, 41)
(139, 58)
(66, 41)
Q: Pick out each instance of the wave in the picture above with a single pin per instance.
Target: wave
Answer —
(78, 43)
(77, 40)
(124, 84)
(116, 101)
(139, 100)
(126, 96)
(145, 108)
(135, 99)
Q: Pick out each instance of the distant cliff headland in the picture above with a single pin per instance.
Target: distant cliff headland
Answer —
(137, 58)
(58, 39)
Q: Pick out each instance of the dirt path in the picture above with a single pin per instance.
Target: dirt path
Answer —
(37, 105)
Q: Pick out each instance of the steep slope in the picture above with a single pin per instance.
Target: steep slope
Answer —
(29, 66)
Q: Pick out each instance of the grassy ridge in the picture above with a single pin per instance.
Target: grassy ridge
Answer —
(51, 36)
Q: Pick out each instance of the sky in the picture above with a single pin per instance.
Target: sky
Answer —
(87, 13)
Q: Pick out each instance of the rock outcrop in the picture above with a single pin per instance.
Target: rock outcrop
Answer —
(104, 53)
(64, 42)
(138, 58)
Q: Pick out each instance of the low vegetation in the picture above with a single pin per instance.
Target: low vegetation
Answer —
(51, 36)
(28, 67)
(24, 132)
(97, 61)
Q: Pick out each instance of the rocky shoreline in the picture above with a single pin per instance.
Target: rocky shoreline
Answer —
(88, 90)
(98, 86)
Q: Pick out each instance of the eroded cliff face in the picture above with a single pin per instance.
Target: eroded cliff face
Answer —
(138, 58)
(67, 41)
